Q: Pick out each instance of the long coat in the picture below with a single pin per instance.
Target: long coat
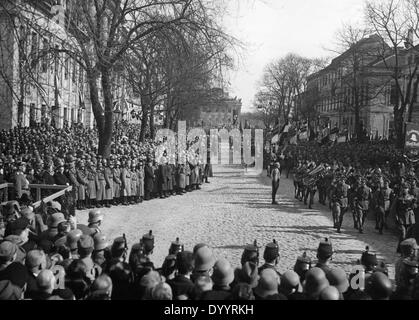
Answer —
(100, 185)
(126, 182)
(141, 181)
(156, 184)
(194, 178)
(91, 183)
(163, 178)
(134, 182)
(181, 176)
(109, 183)
(116, 175)
(169, 171)
(149, 178)
(187, 174)
(83, 182)
(72, 176)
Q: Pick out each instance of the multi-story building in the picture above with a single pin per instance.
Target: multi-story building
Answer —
(354, 82)
(220, 110)
(37, 84)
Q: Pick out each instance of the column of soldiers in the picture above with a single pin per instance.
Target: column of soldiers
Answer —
(360, 191)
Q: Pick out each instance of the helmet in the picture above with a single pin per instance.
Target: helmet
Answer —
(302, 265)
(204, 259)
(148, 242)
(337, 278)
(100, 242)
(250, 253)
(330, 293)
(223, 273)
(271, 251)
(325, 250)
(73, 237)
(268, 283)
(315, 282)
(95, 216)
(290, 280)
(176, 247)
(378, 286)
(368, 260)
(55, 219)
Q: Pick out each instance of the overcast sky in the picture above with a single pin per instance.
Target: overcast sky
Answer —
(273, 28)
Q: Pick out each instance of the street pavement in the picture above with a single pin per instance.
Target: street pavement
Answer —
(233, 210)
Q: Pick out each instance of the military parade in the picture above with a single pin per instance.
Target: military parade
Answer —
(134, 142)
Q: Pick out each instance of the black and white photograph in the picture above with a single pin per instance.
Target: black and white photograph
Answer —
(215, 151)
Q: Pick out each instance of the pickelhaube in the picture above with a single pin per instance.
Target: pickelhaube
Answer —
(303, 264)
(250, 253)
(325, 248)
(271, 251)
(148, 242)
(368, 259)
(176, 247)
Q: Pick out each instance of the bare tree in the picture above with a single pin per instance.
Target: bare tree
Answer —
(396, 22)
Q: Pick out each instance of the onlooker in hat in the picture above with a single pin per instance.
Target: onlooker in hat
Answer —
(45, 285)
(101, 252)
(314, 283)
(53, 222)
(290, 286)
(378, 286)
(330, 293)
(150, 280)
(267, 288)
(85, 247)
(182, 286)
(204, 260)
(76, 279)
(122, 279)
(35, 262)
(271, 257)
(9, 268)
(222, 277)
(101, 289)
(324, 254)
(408, 249)
(162, 291)
(338, 279)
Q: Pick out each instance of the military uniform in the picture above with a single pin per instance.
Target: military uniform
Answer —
(340, 202)
(101, 186)
(126, 183)
(149, 181)
(116, 176)
(405, 216)
(140, 173)
(383, 199)
(134, 185)
(91, 185)
(362, 202)
(181, 178)
(109, 185)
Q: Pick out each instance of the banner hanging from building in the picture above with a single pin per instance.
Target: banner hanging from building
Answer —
(412, 136)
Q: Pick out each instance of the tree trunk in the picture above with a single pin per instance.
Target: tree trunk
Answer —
(152, 128)
(105, 138)
(145, 103)
(399, 126)
(94, 99)
(413, 100)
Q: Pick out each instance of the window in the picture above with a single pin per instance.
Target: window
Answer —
(44, 66)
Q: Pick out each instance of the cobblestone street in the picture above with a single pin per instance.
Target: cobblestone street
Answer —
(235, 209)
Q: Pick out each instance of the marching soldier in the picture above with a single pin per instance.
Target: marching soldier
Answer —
(405, 216)
(275, 181)
(384, 199)
(340, 201)
(362, 201)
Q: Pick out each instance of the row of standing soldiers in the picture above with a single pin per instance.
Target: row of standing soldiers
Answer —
(107, 182)
(372, 192)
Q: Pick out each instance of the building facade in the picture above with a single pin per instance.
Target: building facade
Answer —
(37, 83)
(353, 83)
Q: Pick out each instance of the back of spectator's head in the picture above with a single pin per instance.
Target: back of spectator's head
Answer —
(147, 283)
(315, 282)
(77, 270)
(8, 252)
(223, 274)
(36, 260)
(85, 245)
(101, 289)
(162, 291)
(203, 283)
(45, 281)
(185, 262)
(204, 259)
(290, 282)
(330, 293)
(268, 283)
(120, 272)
